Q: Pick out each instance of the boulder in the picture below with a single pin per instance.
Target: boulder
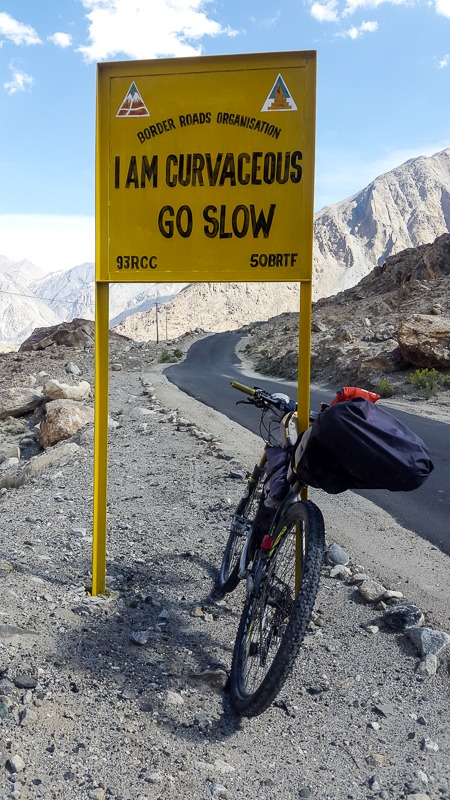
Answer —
(54, 390)
(77, 333)
(17, 401)
(424, 341)
(63, 418)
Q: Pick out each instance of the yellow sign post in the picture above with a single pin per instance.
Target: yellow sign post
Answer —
(205, 172)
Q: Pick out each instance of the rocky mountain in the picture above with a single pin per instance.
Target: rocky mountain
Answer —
(20, 310)
(404, 208)
(71, 294)
(212, 307)
(394, 321)
(23, 272)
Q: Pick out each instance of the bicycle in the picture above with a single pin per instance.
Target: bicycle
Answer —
(282, 579)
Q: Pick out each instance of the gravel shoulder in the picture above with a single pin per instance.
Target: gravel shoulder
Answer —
(122, 696)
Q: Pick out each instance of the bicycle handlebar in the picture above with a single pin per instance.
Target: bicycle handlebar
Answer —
(243, 388)
(257, 396)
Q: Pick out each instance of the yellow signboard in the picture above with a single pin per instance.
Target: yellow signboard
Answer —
(205, 168)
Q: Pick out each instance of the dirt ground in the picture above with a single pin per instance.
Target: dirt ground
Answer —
(122, 696)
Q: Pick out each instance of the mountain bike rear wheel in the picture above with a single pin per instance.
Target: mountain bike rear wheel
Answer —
(277, 611)
(239, 528)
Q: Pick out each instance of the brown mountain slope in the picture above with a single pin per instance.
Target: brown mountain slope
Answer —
(396, 320)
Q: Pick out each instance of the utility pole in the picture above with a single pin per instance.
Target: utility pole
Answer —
(167, 338)
(157, 328)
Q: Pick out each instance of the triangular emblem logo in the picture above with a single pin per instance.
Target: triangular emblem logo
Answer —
(279, 98)
(133, 104)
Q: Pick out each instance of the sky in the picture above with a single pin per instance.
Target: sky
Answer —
(383, 94)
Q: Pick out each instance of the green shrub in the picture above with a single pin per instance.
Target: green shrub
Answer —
(385, 388)
(170, 358)
(427, 381)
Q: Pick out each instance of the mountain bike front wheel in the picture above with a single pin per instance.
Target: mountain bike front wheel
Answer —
(277, 610)
(239, 529)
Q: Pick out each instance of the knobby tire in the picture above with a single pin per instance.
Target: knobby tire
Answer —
(274, 619)
(241, 520)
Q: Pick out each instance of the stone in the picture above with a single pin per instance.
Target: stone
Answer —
(23, 473)
(63, 418)
(15, 764)
(24, 681)
(140, 637)
(428, 640)
(340, 571)
(337, 555)
(428, 666)
(17, 401)
(54, 390)
(403, 616)
(377, 760)
(174, 698)
(371, 590)
(216, 679)
(424, 340)
(428, 745)
(72, 369)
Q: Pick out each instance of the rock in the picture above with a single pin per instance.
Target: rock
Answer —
(9, 451)
(377, 760)
(54, 390)
(72, 369)
(22, 474)
(424, 341)
(403, 616)
(76, 333)
(15, 764)
(428, 666)
(5, 567)
(428, 641)
(174, 698)
(392, 594)
(24, 681)
(337, 555)
(428, 745)
(371, 590)
(17, 401)
(63, 418)
(140, 637)
(214, 678)
(339, 571)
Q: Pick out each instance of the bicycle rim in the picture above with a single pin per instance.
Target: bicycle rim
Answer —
(278, 610)
(239, 528)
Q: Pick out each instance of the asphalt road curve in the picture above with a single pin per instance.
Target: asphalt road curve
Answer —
(212, 363)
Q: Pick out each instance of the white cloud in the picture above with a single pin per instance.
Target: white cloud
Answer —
(147, 30)
(20, 82)
(353, 5)
(444, 62)
(17, 32)
(325, 12)
(365, 27)
(443, 7)
(50, 241)
(61, 39)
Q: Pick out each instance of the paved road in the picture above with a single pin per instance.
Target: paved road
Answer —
(206, 373)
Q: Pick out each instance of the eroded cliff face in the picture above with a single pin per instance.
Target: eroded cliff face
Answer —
(397, 319)
(404, 208)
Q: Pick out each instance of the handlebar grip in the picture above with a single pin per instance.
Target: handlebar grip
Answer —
(241, 387)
